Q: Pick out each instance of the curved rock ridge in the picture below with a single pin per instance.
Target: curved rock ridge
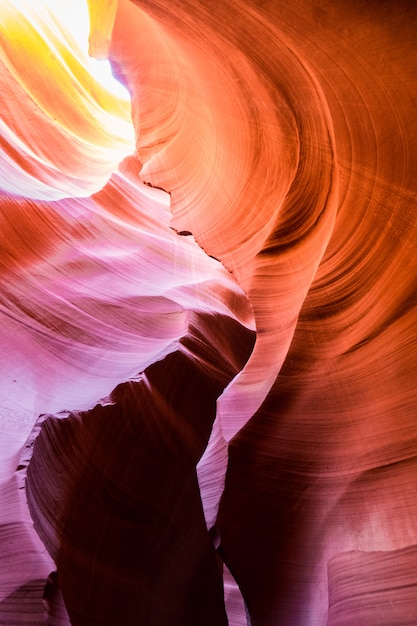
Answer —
(218, 123)
(93, 292)
(282, 137)
(132, 462)
(226, 123)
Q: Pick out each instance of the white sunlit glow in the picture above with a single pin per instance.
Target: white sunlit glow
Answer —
(101, 70)
(72, 18)
(83, 112)
(73, 15)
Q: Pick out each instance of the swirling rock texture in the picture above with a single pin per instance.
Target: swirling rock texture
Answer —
(214, 310)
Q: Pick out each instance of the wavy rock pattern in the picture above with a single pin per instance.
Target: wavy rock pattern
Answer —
(269, 397)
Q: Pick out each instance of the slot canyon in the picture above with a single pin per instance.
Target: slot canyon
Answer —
(208, 313)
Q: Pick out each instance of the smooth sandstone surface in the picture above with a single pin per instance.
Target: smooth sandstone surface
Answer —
(210, 298)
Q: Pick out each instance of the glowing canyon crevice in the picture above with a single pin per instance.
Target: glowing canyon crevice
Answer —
(208, 314)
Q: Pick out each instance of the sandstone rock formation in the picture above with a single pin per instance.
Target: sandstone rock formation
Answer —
(213, 310)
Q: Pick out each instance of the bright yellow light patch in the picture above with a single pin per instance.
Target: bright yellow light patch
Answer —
(78, 16)
(63, 115)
